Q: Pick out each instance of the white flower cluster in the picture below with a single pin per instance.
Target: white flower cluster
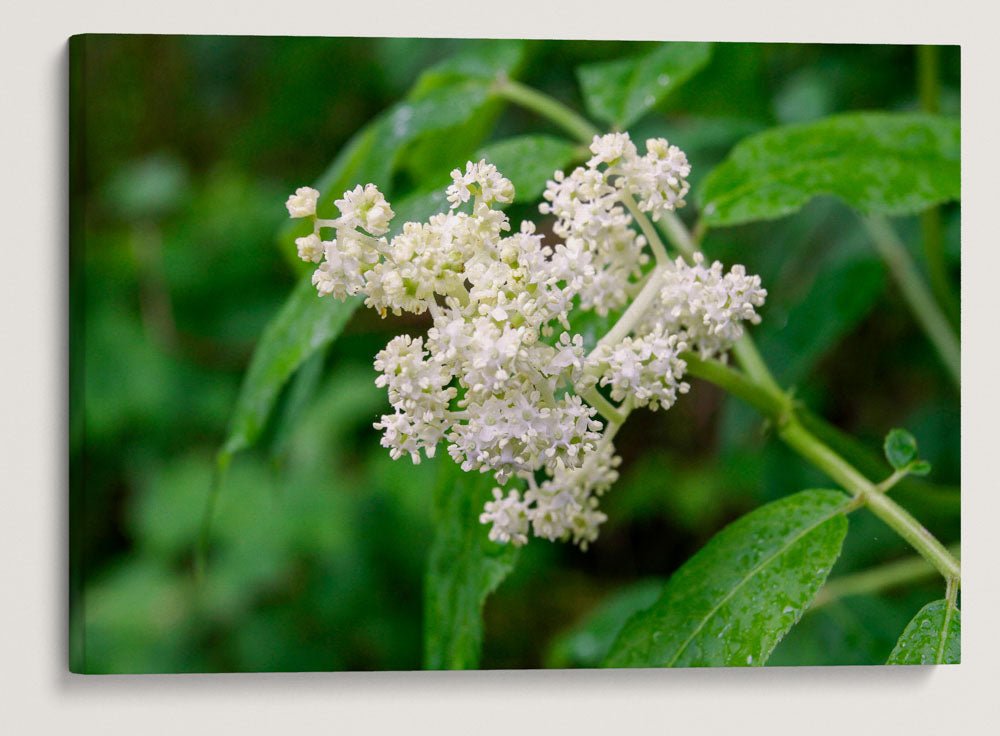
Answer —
(591, 205)
(500, 376)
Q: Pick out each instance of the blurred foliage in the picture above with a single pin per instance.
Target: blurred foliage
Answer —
(186, 149)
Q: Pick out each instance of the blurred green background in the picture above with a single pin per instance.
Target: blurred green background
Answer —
(185, 150)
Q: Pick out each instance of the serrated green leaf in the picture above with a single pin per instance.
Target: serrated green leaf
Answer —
(900, 448)
(304, 324)
(621, 92)
(885, 163)
(934, 636)
(529, 161)
(732, 602)
(463, 568)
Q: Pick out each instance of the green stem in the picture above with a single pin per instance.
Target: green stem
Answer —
(555, 111)
(922, 304)
(636, 310)
(608, 410)
(738, 384)
(886, 485)
(929, 88)
(890, 575)
(652, 237)
(928, 78)
(751, 361)
(779, 408)
(673, 227)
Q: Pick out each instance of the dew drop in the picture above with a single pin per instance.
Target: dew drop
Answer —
(649, 101)
(663, 80)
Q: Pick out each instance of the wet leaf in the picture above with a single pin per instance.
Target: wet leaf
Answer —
(885, 163)
(621, 92)
(732, 602)
(934, 636)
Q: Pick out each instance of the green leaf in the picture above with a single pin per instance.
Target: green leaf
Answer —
(732, 602)
(529, 161)
(886, 163)
(934, 636)
(900, 448)
(827, 297)
(621, 92)
(441, 100)
(587, 643)
(463, 568)
(304, 324)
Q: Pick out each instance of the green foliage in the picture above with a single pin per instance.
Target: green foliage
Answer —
(732, 602)
(311, 563)
(934, 636)
(304, 325)
(587, 643)
(463, 568)
(621, 92)
(886, 163)
(900, 448)
(529, 161)
(447, 96)
(901, 452)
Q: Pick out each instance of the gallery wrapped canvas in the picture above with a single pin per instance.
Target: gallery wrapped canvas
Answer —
(390, 354)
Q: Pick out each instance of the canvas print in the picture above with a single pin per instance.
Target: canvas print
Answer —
(400, 354)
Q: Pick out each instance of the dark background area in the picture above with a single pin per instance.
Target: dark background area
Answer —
(188, 148)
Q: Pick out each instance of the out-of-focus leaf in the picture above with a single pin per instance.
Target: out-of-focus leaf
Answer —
(934, 636)
(463, 568)
(529, 161)
(887, 163)
(149, 188)
(303, 325)
(450, 94)
(587, 643)
(621, 92)
(732, 602)
(844, 291)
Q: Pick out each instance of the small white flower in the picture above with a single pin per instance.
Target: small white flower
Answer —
(612, 149)
(508, 517)
(481, 180)
(366, 208)
(302, 203)
(311, 248)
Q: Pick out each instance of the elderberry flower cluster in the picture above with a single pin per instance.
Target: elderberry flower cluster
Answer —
(500, 376)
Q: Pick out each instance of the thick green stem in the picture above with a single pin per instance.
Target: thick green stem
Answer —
(918, 297)
(750, 360)
(779, 408)
(574, 124)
